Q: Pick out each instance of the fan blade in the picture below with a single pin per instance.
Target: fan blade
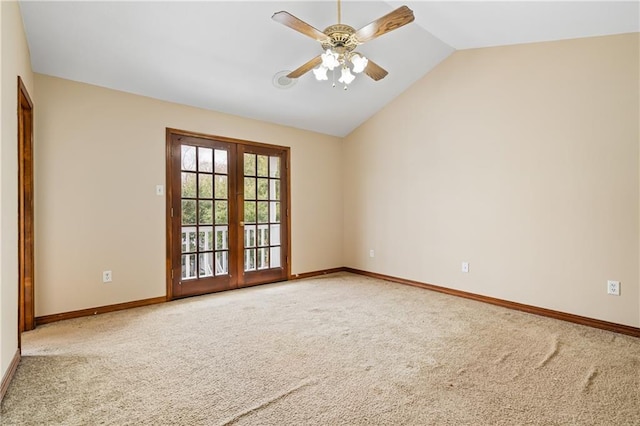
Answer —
(389, 22)
(285, 18)
(305, 68)
(375, 71)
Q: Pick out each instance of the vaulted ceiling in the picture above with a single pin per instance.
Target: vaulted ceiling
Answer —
(223, 55)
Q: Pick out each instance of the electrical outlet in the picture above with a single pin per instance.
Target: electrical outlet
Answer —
(465, 267)
(159, 190)
(372, 253)
(106, 276)
(613, 288)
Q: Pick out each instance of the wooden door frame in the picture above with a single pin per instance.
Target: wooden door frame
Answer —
(173, 269)
(26, 236)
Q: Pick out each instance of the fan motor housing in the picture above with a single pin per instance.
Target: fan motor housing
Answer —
(342, 39)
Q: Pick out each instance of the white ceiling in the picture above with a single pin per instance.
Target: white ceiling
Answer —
(223, 55)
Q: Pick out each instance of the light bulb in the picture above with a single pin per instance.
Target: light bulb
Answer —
(359, 63)
(346, 76)
(320, 73)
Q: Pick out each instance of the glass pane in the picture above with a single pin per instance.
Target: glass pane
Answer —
(263, 165)
(205, 159)
(263, 235)
(250, 260)
(263, 189)
(275, 235)
(222, 262)
(250, 212)
(205, 212)
(249, 188)
(188, 185)
(263, 212)
(250, 236)
(274, 189)
(222, 237)
(221, 161)
(205, 186)
(221, 186)
(222, 212)
(188, 158)
(275, 257)
(188, 212)
(274, 167)
(188, 266)
(249, 164)
(188, 239)
(206, 264)
(263, 258)
(205, 238)
(274, 213)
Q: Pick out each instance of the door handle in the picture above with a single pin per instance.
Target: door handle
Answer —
(241, 223)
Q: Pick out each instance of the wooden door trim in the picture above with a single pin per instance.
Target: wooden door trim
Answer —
(224, 139)
(287, 169)
(170, 132)
(26, 235)
(168, 189)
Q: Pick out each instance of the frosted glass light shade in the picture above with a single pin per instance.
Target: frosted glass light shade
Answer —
(346, 76)
(359, 63)
(330, 59)
(320, 73)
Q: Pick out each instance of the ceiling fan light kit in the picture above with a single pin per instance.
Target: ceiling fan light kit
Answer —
(339, 41)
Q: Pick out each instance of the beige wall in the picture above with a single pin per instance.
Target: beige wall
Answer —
(522, 160)
(100, 155)
(15, 62)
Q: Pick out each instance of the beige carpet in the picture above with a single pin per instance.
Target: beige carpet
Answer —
(341, 349)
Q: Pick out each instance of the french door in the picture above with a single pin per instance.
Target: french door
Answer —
(228, 213)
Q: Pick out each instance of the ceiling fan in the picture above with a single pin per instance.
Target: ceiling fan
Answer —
(339, 42)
